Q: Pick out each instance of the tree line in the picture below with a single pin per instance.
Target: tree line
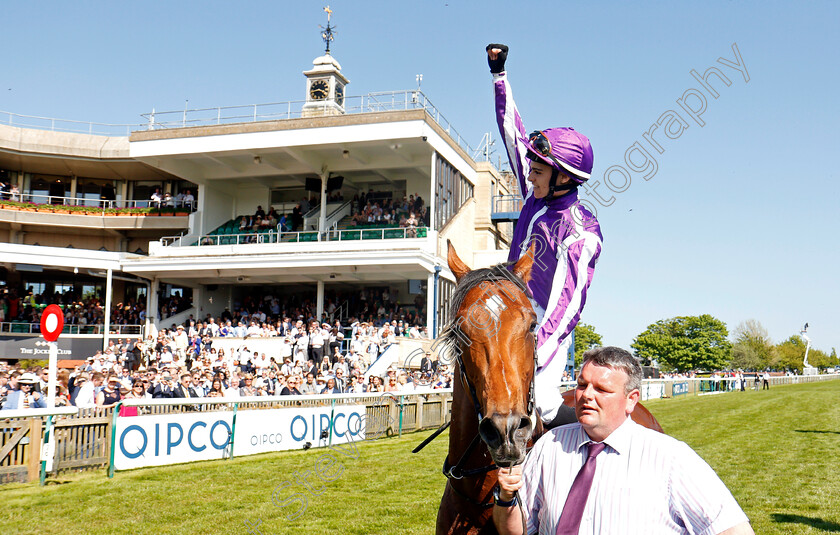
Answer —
(686, 343)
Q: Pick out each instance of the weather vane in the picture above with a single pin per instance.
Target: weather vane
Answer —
(327, 34)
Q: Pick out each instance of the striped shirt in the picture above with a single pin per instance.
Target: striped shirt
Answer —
(645, 483)
(567, 235)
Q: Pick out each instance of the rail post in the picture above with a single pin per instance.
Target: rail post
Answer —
(112, 453)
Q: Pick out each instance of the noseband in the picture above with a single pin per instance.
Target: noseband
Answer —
(457, 471)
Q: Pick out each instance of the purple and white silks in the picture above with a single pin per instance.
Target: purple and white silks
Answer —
(567, 238)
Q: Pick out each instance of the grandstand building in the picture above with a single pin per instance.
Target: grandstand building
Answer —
(164, 213)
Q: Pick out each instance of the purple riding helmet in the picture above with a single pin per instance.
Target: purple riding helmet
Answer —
(563, 149)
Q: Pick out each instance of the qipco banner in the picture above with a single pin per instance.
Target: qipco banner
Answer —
(290, 429)
(161, 439)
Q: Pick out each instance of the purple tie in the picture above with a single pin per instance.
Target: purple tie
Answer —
(576, 501)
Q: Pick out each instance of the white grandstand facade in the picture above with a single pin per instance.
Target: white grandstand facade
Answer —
(167, 209)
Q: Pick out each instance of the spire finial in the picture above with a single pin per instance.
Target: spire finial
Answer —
(327, 34)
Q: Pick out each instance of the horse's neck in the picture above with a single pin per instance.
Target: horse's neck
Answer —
(464, 421)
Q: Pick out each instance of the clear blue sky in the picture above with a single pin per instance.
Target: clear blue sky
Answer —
(740, 220)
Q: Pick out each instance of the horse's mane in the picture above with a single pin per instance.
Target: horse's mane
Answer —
(449, 336)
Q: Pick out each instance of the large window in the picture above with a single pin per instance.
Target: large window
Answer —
(94, 190)
(451, 192)
(445, 290)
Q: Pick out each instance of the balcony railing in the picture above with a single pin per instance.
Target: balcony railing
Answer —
(275, 236)
(507, 203)
(66, 125)
(35, 328)
(370, 103)
(83, 205)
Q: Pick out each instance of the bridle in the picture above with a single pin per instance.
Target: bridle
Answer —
(457, 471)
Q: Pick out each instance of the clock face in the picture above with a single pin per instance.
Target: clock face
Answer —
(339, 95)
(319, 90)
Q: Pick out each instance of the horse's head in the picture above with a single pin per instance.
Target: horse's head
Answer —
(491, 333)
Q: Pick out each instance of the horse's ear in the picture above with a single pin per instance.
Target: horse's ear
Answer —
(523, 266)
(455, 264)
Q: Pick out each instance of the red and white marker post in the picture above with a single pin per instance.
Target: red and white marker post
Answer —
(52, 323)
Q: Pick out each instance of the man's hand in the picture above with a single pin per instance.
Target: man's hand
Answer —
(510, 480)
(496, 56)
(36, 396)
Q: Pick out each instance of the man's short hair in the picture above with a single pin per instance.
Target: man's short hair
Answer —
(618, 359)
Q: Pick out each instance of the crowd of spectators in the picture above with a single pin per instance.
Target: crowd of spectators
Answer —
(183, 362)
(377, 208)
(183, 199)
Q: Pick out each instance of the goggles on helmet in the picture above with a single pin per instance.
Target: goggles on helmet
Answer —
(541, 144)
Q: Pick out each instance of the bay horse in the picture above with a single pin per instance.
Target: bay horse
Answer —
(490, 337)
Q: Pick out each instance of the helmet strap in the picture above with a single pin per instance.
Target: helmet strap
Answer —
(553, 187)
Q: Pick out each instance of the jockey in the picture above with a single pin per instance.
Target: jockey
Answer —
(550, 165)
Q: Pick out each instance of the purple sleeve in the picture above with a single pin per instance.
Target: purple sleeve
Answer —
(572, 278)
(512, 130)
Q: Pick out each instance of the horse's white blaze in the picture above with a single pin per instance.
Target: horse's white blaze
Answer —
(494, 306)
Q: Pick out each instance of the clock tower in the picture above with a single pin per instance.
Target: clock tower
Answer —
(325, 84)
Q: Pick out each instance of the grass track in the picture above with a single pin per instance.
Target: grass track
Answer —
(776, 450)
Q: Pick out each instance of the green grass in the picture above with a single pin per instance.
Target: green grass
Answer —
(776, 450)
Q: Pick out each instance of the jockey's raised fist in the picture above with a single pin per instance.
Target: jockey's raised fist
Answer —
(496, 56)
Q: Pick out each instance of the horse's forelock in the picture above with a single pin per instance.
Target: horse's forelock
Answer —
(451, 337)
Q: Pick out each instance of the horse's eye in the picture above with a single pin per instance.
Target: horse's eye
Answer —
(533, 327)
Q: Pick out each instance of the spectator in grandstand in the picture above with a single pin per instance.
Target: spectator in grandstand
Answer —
(157, 198)
(137, 392)
(403, 385)
(339, 376)
(309, 386)
(216, 390)
(184, 388)
(354, 386)
(324, 367)
(4, 383)
(341, 366)
(86, 396)
(331, 387)
(391, 384)
(189, 201)
(233, 391)
(110, 395)
(375, 384)
(25, 397)
(163, 388)
(248, 389)
(292, 387)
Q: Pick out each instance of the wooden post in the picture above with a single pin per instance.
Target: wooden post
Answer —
(34, 465)
(418, 413)
(444, 409)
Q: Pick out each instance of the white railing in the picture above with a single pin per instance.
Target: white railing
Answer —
(370, 103)
(94, 328)
(67, 125)
(311, 218)
(94, 204)
(275, 236)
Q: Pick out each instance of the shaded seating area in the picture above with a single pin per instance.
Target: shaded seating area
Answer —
(229, 234)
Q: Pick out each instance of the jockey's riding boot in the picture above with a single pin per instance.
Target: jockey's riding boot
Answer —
(565, 415)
